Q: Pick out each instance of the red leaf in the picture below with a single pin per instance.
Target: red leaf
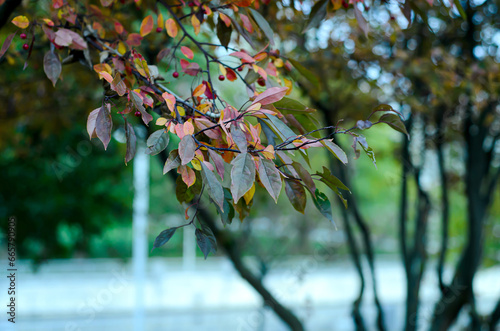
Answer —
(231, 75)
(187, 52)
(271, 95)
(134, 39)
(246, 23)
(243, 56)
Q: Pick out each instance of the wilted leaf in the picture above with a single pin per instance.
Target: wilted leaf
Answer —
(6, 44)
(91, 121)
(163, 237)
(131, 142)
(147, 25)
(104, 124)
(157, 142)
(52, 66)
(173, 161)
(214, 188)
(395, 122)
(296, 194)
(242, 175)
(187, 147)
(270, 177)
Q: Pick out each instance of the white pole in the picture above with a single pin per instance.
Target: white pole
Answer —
(188, 248)
(140, 227)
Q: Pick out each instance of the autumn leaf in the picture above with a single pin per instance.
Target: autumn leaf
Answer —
(131, 142)
(21, 22)
(212, 185)
(242, 175)
(271, 95)
(187, 52)
(6, 44)
(187, 147)
(171, 27)
(196, 24)
(270, 177)
(104, 125)
(52, 66)
(146, 25)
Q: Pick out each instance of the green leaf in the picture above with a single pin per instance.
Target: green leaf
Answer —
(296, 194)
(214, 188)
(335, 150)
(205, 242)
(305, 72)
(173, 161)
(331, 180)
(227, 214)
(239, 138)
(242, 175)
(291, 106)
(163, 237)
(187, 194)
(270, 177)
(224, 33)
(318, 13)
(460, 9)
(264, 25)
(279, 128)
(131, 142)
(323, 205)
(157, 142)
(394, 122)
(305, 176)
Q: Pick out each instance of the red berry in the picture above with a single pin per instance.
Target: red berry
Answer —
(191, 4)
(23, 36)
(137, 113)
(261, 81)
(240, 69)
(175, 74)
(345, 4)
(158, 29)
(392, 18)
(26, 47)
(222, 77)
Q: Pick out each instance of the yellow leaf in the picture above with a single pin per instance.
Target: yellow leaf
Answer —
(161, 121)
(170, 100)
(196, 24)
(159, 21)
(278, 63)
(268, 152)
(196, 164)
(249, 195)
(188, 128)
(222, 69)
(122, 49)
(171, 27)
(289, 84)
(181, 111)
(21, 22)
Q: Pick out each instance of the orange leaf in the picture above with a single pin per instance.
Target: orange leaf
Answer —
(196, 24)
(171, 27)
(159, 21)
(199, 90)
(226, 19)
(134, 39)
(243, 3)
(147, 25)
(187, 174)
(48, 22)
(21, 22)
(170, 100)
(119, 28)
(187, 52)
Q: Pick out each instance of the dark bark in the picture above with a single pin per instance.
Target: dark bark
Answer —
(445, 203)
(230, 246)
(414, 254)
(6, 10)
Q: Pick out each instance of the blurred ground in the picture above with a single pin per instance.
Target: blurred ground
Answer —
(99, 294)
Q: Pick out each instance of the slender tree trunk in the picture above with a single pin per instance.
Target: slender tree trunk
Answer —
(228, 243)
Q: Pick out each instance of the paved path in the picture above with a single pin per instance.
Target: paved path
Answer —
(99, 295)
